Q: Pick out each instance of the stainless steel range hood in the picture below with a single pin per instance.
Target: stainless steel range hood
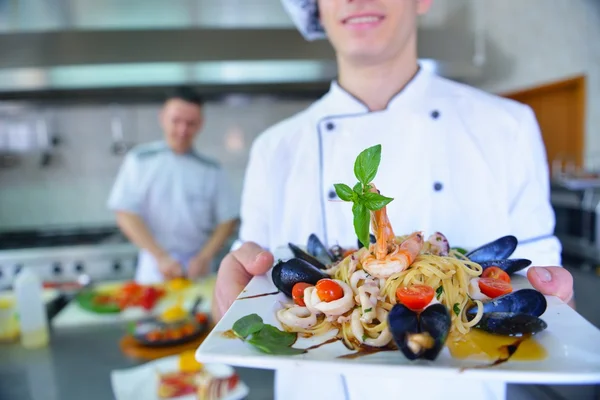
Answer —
(221, 45)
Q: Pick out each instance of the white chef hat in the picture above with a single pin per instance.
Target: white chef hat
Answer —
(305, 15)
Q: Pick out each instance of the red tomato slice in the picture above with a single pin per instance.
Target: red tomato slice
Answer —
(329, 290)
(298, 293)
(494, 287)
(415, 297)
(496, 273)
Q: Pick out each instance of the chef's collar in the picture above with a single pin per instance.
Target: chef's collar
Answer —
(340, 101)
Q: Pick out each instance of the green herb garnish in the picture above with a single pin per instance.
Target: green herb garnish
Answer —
(456, 309)
(264, 337)
(247, 325)
(369, 310)
(364, 201)
(439, 291)
(460, 250)
(365, 337)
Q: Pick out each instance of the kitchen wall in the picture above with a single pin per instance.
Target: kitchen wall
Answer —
(533, 42)
(528, 43)
(73, 189)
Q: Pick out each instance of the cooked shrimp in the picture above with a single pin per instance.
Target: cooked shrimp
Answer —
(397, 260)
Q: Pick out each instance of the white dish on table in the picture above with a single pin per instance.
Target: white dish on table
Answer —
(572, 344)
(141, 382)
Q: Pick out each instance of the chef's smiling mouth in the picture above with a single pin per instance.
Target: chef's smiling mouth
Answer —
(363, 19)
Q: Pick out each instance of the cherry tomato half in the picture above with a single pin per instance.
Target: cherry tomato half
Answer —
(496, 273)
(329, 290)
(494, 287)
(298, 293)
(415, 297)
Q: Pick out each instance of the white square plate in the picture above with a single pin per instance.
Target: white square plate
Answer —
(572, 344)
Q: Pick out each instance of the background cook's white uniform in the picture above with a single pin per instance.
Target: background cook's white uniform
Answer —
(181, 198)
(455, 160)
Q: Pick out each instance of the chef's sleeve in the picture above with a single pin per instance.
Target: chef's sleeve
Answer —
(226, 207)
(255, 196)
(127, 193)
(532, 217)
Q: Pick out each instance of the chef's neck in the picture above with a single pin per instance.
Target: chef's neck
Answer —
(375, 84)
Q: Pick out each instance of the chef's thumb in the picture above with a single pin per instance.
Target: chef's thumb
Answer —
(552, 281)
(254, 258)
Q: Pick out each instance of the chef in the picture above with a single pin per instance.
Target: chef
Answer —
(455, 159)
(174, 203)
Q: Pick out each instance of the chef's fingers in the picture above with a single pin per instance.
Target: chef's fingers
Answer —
(235, 271)
(552, 281)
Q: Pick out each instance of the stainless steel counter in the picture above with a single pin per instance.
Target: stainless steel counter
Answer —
(77, 365)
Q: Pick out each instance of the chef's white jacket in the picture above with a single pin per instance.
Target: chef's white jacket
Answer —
(455, 159)
(180, 197)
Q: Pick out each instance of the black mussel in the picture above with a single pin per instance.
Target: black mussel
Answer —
(436, 320)
(286, 274)
(299, 253)
(524, 301)
(337, 253)
(317, 249)
(419, 335)
(511, 324)
(372, 239)
(509, 265)
(499, 249)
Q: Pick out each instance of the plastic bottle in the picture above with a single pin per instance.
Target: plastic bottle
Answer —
(31, 309)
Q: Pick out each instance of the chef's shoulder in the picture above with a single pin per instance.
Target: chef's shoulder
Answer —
(479, 108)
(147, 151)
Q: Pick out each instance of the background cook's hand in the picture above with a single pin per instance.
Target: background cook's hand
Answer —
(552, 281)
(199, 266)
(169, 267)
(236, 270)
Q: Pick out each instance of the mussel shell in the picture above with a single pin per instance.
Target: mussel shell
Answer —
(403, 322)
(317, 249)
(524, 301)
(511, 324)
(286, 274)
(299, 253)
(509, 265)
(372, 239)
(436, 320)
(499, 249)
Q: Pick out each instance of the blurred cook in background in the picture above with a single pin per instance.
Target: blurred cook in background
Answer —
(172, 202)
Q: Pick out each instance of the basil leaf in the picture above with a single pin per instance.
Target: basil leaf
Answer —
(362, 219)
(358, 188)
(271, 334)
(367, 163)
(273, 348)
(456, 309)
(460, 250)
(344, 192)
(439, 291)
(375, 201)
(247, 325)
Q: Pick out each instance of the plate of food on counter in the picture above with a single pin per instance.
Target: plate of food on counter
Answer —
(178, 377)
(406, 303)
(173, 327)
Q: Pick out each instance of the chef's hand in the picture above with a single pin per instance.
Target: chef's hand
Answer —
(236, 270)
(199, 266)
(169, 267)
(552, 281)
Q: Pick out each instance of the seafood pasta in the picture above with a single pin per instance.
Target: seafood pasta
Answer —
(357, 294)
